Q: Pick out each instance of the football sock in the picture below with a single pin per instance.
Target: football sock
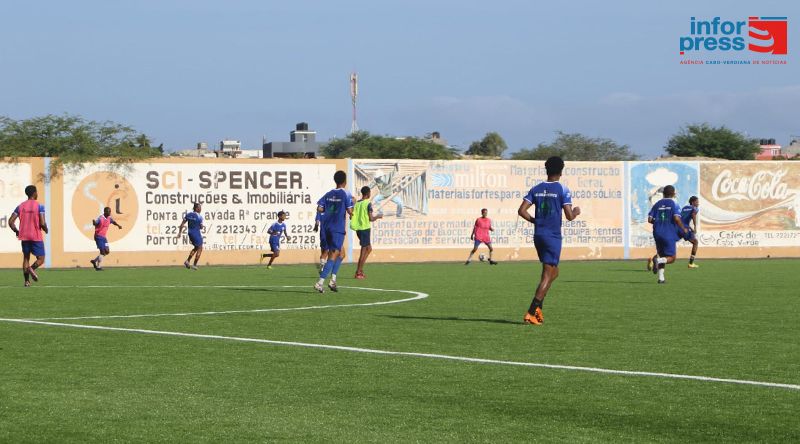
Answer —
(535, 303)
(322, 263)
(35, 265)
(98, 259)
(661, 274)
(321, 281)
(27, 275)
(490, 255)
(661, 260)
(336, 264)
(333, 277)
(326, 270)
(691, 259)
(470, 257)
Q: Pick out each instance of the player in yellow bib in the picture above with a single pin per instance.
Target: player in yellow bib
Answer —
(361, 223)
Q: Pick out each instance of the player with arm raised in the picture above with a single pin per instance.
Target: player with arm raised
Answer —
(195, 224)
(101, 225)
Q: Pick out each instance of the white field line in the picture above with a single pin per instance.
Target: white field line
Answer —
(417, 355)
(417, 295)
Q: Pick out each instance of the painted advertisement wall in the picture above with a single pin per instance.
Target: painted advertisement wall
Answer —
(747, 209)
(434, 204)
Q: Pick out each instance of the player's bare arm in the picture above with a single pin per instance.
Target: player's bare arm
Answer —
(180, 229)
(43, 223)
(571, 212)
(679, 222)
(12, 223)
(523, 211)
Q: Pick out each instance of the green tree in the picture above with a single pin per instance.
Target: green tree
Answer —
(576, 147)
(71, 140)
(492, 145)
(708, 141)
(363, 145)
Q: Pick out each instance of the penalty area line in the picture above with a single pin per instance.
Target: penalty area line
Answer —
(415, 355)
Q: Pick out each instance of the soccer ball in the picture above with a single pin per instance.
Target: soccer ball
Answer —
(481, 257)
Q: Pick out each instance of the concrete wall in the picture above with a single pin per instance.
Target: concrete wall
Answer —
(747, 209)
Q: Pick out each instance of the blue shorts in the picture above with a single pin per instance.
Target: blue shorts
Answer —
(101, 242)
(688, 237)
(548, 248)
(363, 237)
(478, 243)
(275, 244)
(196, 238)
(665, 247)
(35, 248)
(334, 240)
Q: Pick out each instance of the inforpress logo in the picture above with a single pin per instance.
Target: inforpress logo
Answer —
(769, 34)
(763, 35)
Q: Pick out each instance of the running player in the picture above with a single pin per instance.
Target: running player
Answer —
(101, 225)
(480, 234)
(31, 224)
(549, 198)
(335, 205)
(666, 219)
(275, 232)
(689, 215)
(195, 223)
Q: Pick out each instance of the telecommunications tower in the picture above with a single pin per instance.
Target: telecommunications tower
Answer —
(353, 98)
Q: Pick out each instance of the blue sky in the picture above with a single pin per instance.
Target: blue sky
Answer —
(190, 71)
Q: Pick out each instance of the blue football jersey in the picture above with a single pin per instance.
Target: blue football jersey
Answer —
(193, 221)
(663, 214)
(335, 203)
(277, 229)
(549, 199)
(686, 214)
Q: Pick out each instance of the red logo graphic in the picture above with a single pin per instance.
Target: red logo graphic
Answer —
(768, 34)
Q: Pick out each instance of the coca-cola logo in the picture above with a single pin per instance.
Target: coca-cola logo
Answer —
(761, 185)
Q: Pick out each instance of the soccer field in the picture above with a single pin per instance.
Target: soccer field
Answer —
(229, 354)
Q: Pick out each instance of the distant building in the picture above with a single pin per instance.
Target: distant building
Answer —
(793, 150)
(302, 141)
(229, 148)
(769, 149)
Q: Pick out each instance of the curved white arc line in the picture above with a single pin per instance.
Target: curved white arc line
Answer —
(419, 295)
(419, 355)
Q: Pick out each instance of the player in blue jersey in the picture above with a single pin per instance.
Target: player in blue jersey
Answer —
(689, 219)
(334, 208)
(195, 223)
(549, 198)
(275, 232)
(666, 219)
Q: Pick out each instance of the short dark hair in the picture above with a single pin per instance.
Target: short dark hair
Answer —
(693, 199)
(106, 208)
(340, 177)
(195, 206)
(669, 191)
(483, 209)
(29, 190)
(364, 190)
(554, 165)
(281, 213)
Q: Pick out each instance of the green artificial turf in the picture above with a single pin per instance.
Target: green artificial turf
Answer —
(728, 319)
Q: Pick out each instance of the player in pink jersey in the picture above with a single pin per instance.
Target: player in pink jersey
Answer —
(101, 225)
(480, 234)
(31, 224)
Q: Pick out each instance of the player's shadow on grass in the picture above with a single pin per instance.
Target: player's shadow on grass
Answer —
(274, 290)
(610, 281)
(453, 318)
